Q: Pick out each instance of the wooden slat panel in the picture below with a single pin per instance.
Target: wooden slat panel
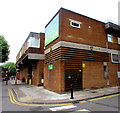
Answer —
(65, 53)
(84, 54)
(72, 69)
(53, 55)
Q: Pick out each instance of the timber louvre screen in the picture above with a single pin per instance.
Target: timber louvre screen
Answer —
(73, 75)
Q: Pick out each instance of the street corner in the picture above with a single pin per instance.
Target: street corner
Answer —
(24, 101)
(19, 95)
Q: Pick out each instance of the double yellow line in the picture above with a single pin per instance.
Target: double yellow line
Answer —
(12, 99)
(104, 97)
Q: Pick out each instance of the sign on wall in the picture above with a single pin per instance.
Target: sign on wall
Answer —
(50, 67)
(52, 30)
(83, 65)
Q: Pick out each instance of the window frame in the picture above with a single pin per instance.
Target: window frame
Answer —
(118, 40)
(31, 40)
(113, 59)
(74, 21)
(108, 37)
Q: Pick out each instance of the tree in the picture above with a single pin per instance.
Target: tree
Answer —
(4, 49)
(11, 68)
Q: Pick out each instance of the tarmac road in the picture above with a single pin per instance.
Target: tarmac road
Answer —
(6, 103)
(108, 103)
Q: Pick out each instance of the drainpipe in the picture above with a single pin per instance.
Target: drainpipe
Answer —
(108, 81)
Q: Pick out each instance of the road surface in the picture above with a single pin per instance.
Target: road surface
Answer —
(108, 103)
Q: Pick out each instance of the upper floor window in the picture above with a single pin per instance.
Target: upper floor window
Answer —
(75, 23)
(118, 40)
(34, 42)
(110, 39)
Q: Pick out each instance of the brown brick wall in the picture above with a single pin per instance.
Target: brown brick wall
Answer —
(54, 79)
(113, 46)
(95, 35)
(93, 75)
(113, 76)
(23, 72)
(42, 40)
(37, 73)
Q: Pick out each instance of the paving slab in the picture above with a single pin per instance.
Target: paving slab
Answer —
(38, 94)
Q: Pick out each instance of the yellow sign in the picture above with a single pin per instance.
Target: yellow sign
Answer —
(83, 65)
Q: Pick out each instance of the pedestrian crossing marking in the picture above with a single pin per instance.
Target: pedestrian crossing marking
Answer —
(62, 108)
(83, 110)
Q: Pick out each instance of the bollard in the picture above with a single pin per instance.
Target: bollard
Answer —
(26, 81)
(30, 81)
(71, 92)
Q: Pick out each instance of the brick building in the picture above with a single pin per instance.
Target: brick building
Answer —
(81, 51)
(30, 59)
(3, 72)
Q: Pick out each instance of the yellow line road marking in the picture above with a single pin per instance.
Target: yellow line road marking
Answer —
(10, 96)
(12, 99)
(99, 98)
(82, 101)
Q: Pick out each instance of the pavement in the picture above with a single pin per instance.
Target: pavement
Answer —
(38, 94)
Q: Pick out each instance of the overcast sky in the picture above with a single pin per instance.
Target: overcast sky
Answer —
(19, 17)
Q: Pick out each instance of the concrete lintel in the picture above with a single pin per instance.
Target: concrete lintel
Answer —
(81, 46)
(36, 56)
